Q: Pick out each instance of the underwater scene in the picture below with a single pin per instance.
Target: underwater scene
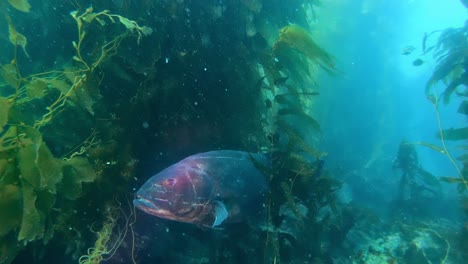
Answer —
(233, 131)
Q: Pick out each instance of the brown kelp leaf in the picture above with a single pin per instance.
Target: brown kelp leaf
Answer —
(31, 226)
(5, 105)
(298, 164)
(21, 5)
(425, 144)
(452, 180)
(299, 113)
(296, 37)
(76, 171)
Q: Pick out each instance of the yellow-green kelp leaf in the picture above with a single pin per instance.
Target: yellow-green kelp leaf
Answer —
(132, 25)
(296, 37)
(17, 38)
(36, 207)
(5, 105)
(31, 227)
(21, 5)
(452, 180)
(61, 85)
(36, 88)
(10, 206)
(10, 74)
(88, 18)
(429, 145)
(11, 139)
(37, 164)
(76, 171)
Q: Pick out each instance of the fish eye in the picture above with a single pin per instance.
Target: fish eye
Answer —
(170, 182)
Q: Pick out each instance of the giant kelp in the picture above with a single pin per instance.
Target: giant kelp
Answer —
(198, 83)
(41, 189)
(296, 52)
(415, 183)
(297, 177)
(451, 55)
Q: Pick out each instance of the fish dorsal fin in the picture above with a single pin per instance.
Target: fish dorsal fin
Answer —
(221, 213)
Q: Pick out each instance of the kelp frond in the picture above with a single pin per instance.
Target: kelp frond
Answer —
(296, 37)
(451, 55)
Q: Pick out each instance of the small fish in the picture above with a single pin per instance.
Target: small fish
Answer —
(408, 50)
(207, 189)
(418, 62)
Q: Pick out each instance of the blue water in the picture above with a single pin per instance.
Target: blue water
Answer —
(380, 98)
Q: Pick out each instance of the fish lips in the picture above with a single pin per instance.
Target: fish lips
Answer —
(153, 206)
(144, 204)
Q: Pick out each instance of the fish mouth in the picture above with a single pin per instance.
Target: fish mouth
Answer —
(149, 207)
(144, 204)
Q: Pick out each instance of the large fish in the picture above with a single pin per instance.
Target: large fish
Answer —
(207, 189)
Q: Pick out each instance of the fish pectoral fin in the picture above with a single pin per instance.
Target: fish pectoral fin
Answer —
(221, 213)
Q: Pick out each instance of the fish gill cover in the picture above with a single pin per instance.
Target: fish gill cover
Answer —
(97, 96)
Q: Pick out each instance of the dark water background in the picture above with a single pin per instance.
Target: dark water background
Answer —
(158, 105)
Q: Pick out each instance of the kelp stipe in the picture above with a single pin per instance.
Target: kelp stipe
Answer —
(297, 165)
(450, 53)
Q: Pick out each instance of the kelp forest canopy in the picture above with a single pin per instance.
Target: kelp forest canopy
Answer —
(94, 94)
